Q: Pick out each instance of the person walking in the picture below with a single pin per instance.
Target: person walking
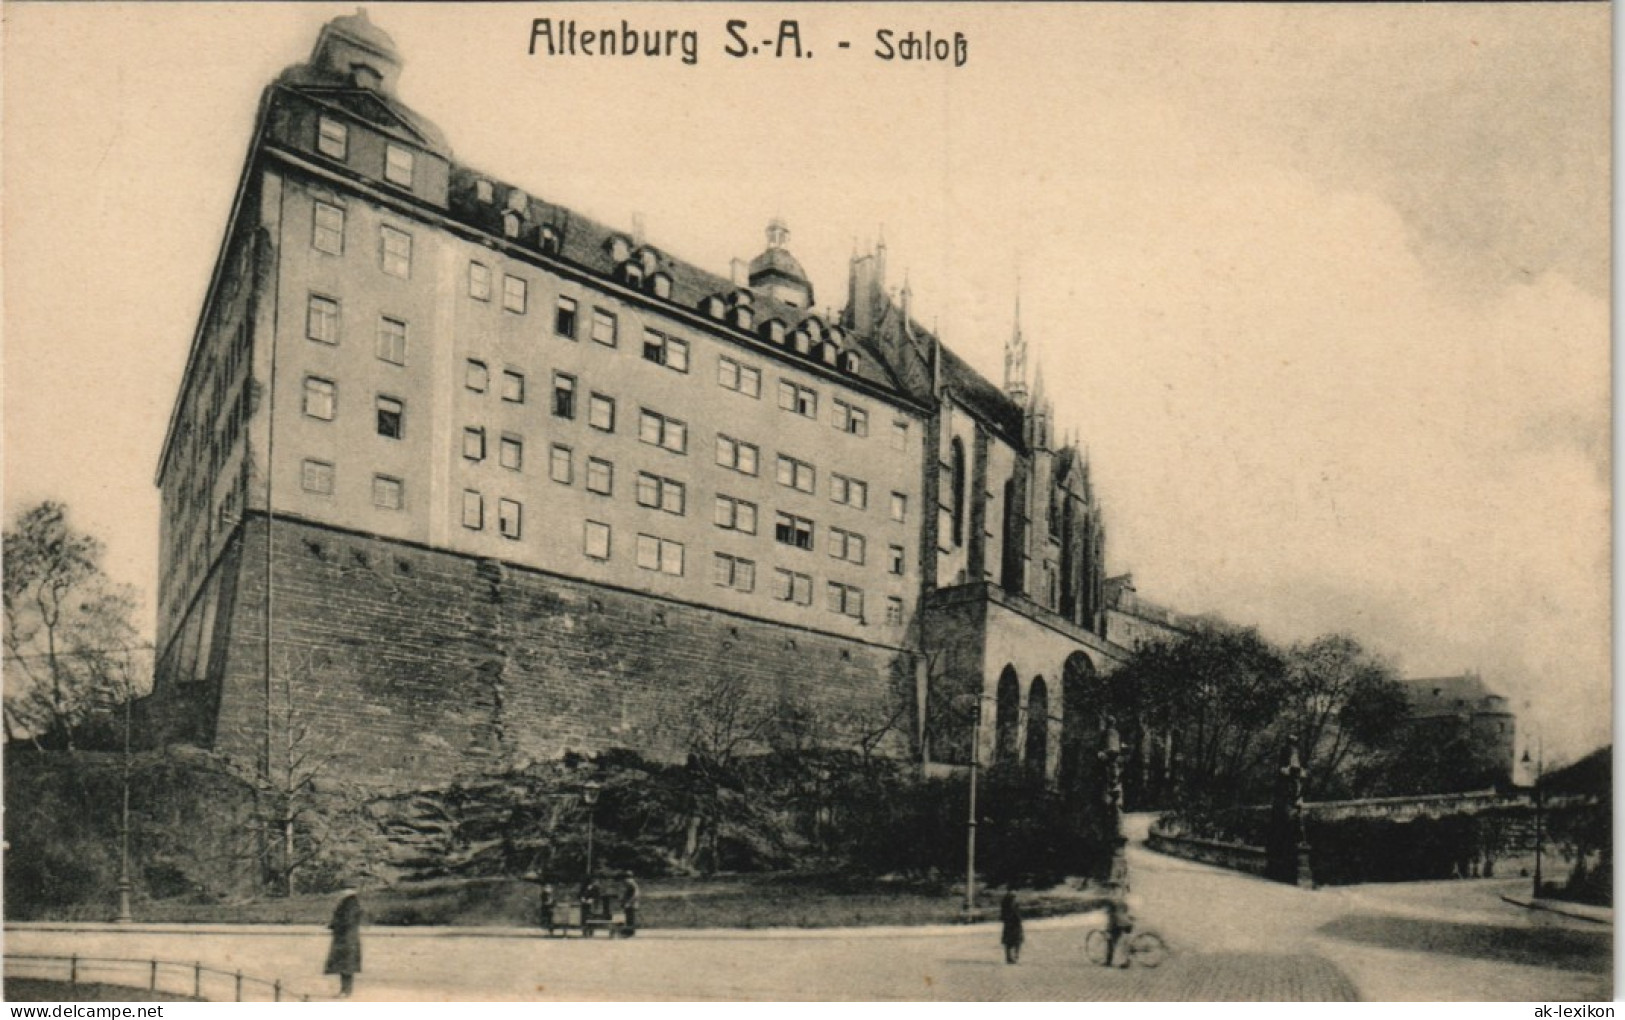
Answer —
(1010, 913)
(344, 956)
(629, 903)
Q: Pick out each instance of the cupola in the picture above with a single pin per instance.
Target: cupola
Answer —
(778, 273)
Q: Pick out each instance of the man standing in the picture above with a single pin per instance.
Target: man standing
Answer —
(1010, 913)
(548, 903)
(629, 901)
(344, 956)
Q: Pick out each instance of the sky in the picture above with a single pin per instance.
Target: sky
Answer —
(1324, 290)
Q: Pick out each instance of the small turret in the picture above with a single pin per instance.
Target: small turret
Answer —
(352, 48)
(778, 273)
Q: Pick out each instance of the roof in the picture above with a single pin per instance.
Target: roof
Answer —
(586, 244)
(1451, 695)
(982, 398)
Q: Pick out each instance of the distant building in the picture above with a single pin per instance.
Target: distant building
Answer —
(459, 477)
(1135, 622)
(1462, 711)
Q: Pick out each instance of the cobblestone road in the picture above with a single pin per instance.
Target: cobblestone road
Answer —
(1234, 938)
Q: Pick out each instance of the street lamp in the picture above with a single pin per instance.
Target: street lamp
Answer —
(1293, 772)
(1111, 754)
(1540, 769)
(124, 883)
(970, 818)
(589, 797)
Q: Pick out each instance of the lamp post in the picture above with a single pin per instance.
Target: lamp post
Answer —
(1111, 753)
(124, 883)
(1540, 769)
(1293, 772)
(970, 817)
(589, 797)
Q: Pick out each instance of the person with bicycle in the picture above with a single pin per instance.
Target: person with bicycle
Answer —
(1119, 927)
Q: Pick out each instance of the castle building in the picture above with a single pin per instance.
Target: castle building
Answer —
(457, 477)
(1462, 712)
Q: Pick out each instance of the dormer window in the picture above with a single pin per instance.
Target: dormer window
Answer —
(660, 284)
(548, 240)
(484, 192)
(827, 352)
(742, 298)
(332, 138)
(849, 361)
(742, 316)
(367, 77)
(814, 332)
(619, 250)
(802, 342)
(398, 165)
(773, 329)
(713, 307)
(518, 201)
(632, 274)
(511, 224)
(648, 260)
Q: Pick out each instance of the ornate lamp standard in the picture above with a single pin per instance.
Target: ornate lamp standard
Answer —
(124, 883)
(1111, 753)
(1540, 769)
(1293, 772)
(589, 797)
(970, 818)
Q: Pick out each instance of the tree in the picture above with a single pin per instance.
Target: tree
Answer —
(1217, 691)
(1344, 706)
(71, 648)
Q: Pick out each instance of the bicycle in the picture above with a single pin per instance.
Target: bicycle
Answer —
(1146, 948)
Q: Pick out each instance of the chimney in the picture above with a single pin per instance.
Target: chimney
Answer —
(739, 273)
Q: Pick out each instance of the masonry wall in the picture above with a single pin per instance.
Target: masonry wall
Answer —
(406, 666)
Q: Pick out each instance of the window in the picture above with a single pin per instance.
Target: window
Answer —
(789, 586)
(515, 294)
(733, 572)
(665, 350)
(396, 249)
(666, 433)
(797, 474)
(564, 318)
(895, 562)
(792, 530)
(479, 281)
(476, 376)
(484, 191)
(332, 138)
(322, 319)
(846, 545)
(735, 515)
(513, 387)
(388, 493)
(328, 234)
(956, 494)
(846, 600)
(731, 375)
(559, 464)
(398, 165)
(850, 418)
(508, 516)
(894, 610)
(899, 506)
(595, 540)
(600, 476)
(564, 395)
(473, 510)
(317, 476)
(511, 452)
(660, 554)
(473, 444)
(736, 454)
(849, 491)
(799, 399)
(321, 398)
(899, 434)
(392, 341)
(391, 418)
(603, 327)
(601, 412)
(661, 493)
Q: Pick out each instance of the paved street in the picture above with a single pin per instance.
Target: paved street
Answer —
(1234, 938)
